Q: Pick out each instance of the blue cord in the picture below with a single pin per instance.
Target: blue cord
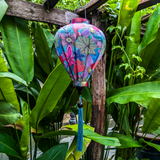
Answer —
(80, 129)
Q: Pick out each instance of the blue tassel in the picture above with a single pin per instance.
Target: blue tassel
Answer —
(80, 130)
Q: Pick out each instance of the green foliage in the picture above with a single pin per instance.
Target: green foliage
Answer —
(8, 145)
(8, 113)
(7, 91)
(57, 152)
(25, 134)
(125, 141)
(17, 42)
(152, 118)
(3, 9)
(58, 80)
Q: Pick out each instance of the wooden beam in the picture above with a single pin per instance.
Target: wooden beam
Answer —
(146, 3)
(143, 29)
(91, 6)
(50, 3)
(145, 18)
(36, 12)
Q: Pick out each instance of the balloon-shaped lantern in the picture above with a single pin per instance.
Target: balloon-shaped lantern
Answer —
(80, 46)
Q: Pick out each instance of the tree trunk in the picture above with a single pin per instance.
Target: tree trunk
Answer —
(98, 98)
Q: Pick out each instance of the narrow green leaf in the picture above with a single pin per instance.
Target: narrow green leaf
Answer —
(126, 12)
(25, 134)
(7, 92)
(8, 113)
(151, 117)
(151, 30)
(58, 80)
(8, 145)
(156, 146)
(132, 46)
(18, 46)
(73, 148)
(138, 93)
(3, 8)
(57, 152)
(126, 141)
(13, 76)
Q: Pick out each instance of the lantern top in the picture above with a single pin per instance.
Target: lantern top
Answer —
(79, 20)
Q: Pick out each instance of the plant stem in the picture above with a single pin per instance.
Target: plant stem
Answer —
(29, 124)
(17, 135)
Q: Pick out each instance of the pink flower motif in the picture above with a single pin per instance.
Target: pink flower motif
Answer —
(69, 56)
(99, 44)
(67, 38)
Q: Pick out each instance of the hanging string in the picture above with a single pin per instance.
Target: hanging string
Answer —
(80, 126)
(85, 13)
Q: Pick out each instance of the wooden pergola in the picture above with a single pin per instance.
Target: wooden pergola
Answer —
(48, 14)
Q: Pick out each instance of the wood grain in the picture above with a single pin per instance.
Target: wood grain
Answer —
(146, 3)
(91, 6)
(36, 12)
(98, 98)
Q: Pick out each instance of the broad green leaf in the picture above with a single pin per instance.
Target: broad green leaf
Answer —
(8, 113)
(126, 12)
(25, 133)
(156, 146)
(105, 140)
(8, 145)
(139, 93)
(126, 141)
(57, 152)
(3, 8)
(151, 117)
(7, 91)
(150, 56)
(86, 94)
(43, 51)
(13, 77)
(52, 90)
(18, 46)
(151, 31)
(132, 47)
(87, 133)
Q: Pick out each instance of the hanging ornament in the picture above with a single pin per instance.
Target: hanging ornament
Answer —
(80, 46)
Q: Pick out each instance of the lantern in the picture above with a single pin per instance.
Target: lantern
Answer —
(80, 46)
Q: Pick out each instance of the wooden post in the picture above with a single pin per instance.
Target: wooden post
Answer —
(98, 98)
